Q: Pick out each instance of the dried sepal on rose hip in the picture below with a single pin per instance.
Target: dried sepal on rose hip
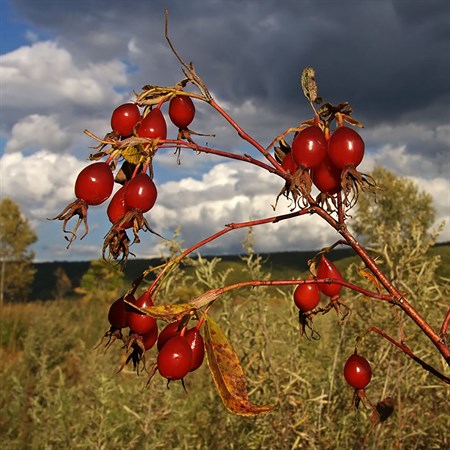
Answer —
(118, 321)
(93, 186)
(126, 210)
(138, 345)
(346, 149)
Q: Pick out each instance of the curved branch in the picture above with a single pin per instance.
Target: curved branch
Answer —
(153, 289)
(207, 297)
(172, 143)
(445, 325)
(397, 297)
(244, 135)
(405, 349)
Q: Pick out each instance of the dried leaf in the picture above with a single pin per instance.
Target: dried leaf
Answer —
(152, 99)
(352, 121)
(227, 373)
(98, 155)
(365, 273)
(124, 173)
(169, 313)
(207, 297)
(383, 410)
(308, 83)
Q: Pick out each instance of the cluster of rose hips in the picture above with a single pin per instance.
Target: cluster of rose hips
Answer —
(180, 349)
(326, 159)
(317, 156)
(357, 370)
(307, 296)
(138, 193)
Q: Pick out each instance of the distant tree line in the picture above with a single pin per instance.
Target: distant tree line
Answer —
(16, 257)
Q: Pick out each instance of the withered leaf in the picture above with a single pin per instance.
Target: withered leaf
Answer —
(169, 313)
(309, 84)
(98, 155)
(352, 121)
(383, 410)
(227, 373)
(124, 173)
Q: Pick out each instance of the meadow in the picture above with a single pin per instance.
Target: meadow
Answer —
(59, 391)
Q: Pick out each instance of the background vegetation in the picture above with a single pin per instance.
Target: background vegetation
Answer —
(57, 391)
(16, 236)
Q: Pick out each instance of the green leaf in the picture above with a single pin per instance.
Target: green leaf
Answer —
(227, 373)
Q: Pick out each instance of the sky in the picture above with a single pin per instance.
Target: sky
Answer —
(65, 66)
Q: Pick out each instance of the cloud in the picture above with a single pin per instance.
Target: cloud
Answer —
(250, 54)
(36, 131)
(422, 171)
(234, 193)
(439, 189)
(48, 81)
(44, 69)
(41, 182)
(412, 147)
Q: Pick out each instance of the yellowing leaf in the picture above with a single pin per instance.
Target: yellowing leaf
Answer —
(227, 373)
(371, 277)
(132, 155)
(168, 312)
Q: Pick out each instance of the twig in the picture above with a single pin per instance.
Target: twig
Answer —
(208, 296)
(188, 70)
(404, 348)
(445, 325)
(170, 143)
(229, 227)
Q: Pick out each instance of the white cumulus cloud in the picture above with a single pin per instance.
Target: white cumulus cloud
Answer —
(45, 75)
(233, 193)
(41, 182)
(37, 131)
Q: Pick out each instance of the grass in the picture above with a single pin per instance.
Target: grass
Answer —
(58, 392)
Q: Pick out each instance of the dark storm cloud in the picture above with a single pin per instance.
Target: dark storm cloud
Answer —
(389, 58)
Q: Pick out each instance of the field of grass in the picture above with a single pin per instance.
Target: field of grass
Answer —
(57, 391)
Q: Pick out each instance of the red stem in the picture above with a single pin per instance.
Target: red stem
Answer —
(246, 158)
(405, 349)
(244, 135)
(445, 325)
(229, 227)
(213, 294)
(397, 297)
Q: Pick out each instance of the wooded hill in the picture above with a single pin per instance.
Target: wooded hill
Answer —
(281, 265)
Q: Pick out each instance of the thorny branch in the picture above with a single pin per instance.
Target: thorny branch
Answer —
(334, 216)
